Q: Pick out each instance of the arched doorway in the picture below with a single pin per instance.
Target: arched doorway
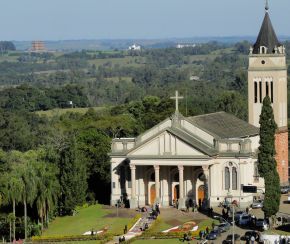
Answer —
(201, 194)
(176, 193)
(152, 194)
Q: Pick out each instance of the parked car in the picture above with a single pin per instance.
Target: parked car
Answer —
(261, 224)
(213, 234)
(258, 204)
(229, 239)
(248, 235)
(238, 214)
(284, 189)
(245, 220)
(224, 227)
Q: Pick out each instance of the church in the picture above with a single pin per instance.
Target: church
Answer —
(207, 158)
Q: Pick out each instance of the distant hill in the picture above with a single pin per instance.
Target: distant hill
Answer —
(121, 44)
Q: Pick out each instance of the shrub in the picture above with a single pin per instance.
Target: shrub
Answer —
(48, 239)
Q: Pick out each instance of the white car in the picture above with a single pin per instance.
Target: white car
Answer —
(258, 204)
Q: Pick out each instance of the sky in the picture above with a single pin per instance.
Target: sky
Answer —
(139, 19)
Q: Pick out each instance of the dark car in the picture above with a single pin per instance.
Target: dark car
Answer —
(213, 234)
(248, 235)
(261, 224)
(238, 215)
(224, 227)
(229, 239)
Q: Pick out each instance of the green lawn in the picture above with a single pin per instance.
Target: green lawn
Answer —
(80, 242)
(92, 217)
(159, 241)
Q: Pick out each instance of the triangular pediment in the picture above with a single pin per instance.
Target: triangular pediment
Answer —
(168, 143)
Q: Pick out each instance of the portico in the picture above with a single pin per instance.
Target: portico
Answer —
(166, 183)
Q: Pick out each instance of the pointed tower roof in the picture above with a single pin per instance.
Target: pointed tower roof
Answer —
(267, 36)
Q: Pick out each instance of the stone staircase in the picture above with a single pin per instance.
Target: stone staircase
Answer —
(137, 229)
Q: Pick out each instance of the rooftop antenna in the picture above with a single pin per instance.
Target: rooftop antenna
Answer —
(267, 6)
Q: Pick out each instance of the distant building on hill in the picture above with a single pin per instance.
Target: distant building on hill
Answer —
(135, 47)
(37, 46)
(185, 45)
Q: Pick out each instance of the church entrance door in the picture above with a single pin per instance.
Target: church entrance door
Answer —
(152, 194)
(200, 194)
(176, 193)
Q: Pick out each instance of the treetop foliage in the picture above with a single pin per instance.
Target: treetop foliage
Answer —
(266, 159)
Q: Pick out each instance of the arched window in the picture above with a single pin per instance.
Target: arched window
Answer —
(231, 177)
(234, 178)
(260, 91)
(256, 91)
(256, 172)
(272, 92)
(267, 88)
(227, 178)
(263, 50)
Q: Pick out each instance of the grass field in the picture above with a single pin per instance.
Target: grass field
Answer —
(126, 61)
(158, 241)
(93, 217)
(79, 242)
(60, 111)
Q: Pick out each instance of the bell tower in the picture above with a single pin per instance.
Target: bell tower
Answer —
(267, 76)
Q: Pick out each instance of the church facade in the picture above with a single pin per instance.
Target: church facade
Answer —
(207, 158)
(203, 159)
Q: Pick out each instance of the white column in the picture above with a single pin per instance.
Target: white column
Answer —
(133, 181)
(165, 187)
(181, 181)
(133, 200)
(181, 200)
(115, 184)
(157, 181)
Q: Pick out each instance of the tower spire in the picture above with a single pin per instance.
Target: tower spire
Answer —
(267, 5)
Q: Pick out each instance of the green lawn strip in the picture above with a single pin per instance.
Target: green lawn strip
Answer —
(277, 232)
(80, 242)
(159, 241)
(92, 217)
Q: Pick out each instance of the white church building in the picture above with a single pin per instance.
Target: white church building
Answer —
(210, 157)
(204, 158)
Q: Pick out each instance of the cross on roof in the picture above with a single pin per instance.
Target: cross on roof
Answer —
(267, 5)
(176, 98)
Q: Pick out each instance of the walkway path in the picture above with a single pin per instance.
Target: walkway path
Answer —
(137, 228)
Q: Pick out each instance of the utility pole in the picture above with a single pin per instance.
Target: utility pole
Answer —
(233, 219)
(117, 205)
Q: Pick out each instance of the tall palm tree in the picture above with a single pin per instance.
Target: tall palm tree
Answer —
(13, 186)
(11, 219)
(28, 176)
(47, 192)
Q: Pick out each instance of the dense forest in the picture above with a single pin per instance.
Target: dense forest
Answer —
(52, 163)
